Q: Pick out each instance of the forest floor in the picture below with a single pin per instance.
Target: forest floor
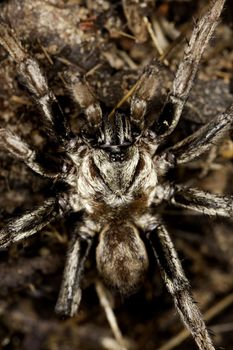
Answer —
(111, 42)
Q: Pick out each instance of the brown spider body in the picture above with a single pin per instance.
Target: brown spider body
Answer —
(116, 196)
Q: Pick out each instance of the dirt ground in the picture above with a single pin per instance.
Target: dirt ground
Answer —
(111, 42)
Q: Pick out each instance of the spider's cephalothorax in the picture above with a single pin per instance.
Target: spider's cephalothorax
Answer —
(114, 173)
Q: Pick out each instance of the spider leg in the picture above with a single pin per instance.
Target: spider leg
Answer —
(204, 138)
(30, 71)
(84, 96)
(204, 202)
(29, 223)
(70, 292)
(21, 150)
(178, 285)
(148, 84)
(201, 141)
(187, 69)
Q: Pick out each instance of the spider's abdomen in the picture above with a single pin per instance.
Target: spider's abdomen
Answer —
(121, 256)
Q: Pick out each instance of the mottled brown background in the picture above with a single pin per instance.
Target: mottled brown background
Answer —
(103, 40)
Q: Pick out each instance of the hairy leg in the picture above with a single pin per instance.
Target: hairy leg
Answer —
(198, 143)
(187, 69)
(83, 94)
(204, 138)
(147, 86)
(21, 150)
(204, 202)
(70, 292)
(36, 83)
(29, 224)
(178, 285)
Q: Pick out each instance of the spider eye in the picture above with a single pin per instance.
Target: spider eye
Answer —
(117, 153)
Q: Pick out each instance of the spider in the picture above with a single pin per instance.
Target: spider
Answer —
(114, 174)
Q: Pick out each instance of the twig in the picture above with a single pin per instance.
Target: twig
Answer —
(46, 53)
(125, 98)
(109, 314)
(94, 69)
(20, 100)
(126, 35)
(154, 39)
(127, 59)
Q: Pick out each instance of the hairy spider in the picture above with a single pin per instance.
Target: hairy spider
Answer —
(116, 177)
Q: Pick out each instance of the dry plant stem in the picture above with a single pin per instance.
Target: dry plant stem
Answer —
(46, 53)
(211, 313)
(159, 32)
(124, 98)
(126, 35)
(20, 100)
(93, 70)
(223, 328)
(110, 344)
(104, 301)
(154, 39)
